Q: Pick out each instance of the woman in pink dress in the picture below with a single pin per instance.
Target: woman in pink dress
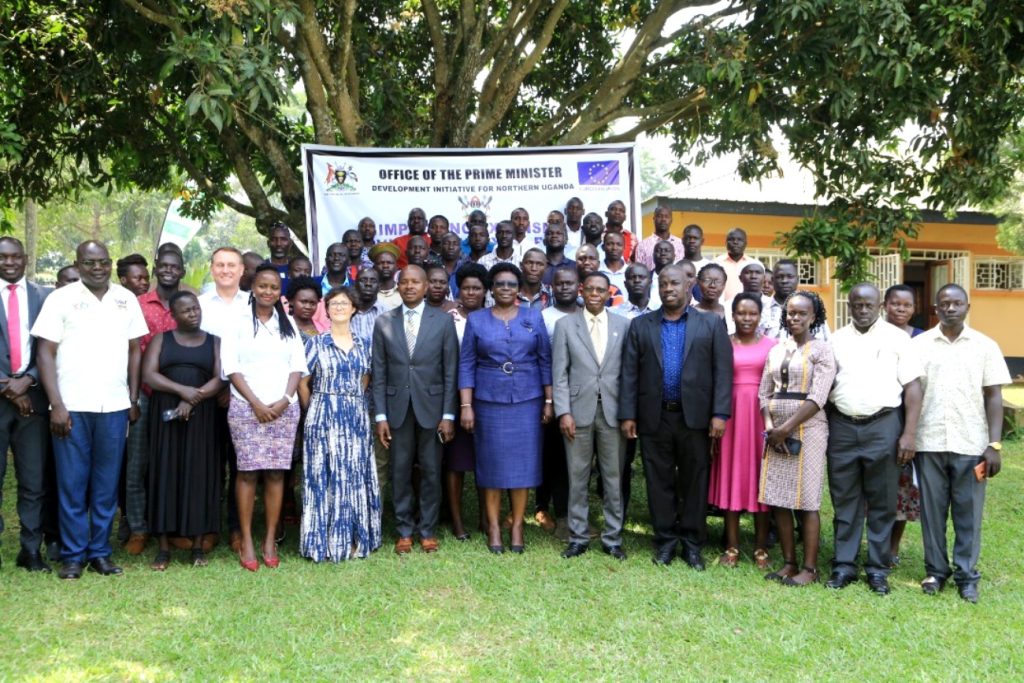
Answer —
(736, 470)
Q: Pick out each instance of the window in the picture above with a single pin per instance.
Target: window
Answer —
(998, 275)
(808, 270)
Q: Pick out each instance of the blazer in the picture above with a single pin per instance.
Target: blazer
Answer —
(36, 295)
(505, 365)
(428, 380)
(577, 375)
(706, 381)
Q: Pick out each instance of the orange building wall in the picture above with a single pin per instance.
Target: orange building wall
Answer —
(997, 314)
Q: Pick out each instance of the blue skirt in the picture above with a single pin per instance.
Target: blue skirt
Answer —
(508, 444)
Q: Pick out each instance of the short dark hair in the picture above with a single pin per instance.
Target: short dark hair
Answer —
(178, 296)
(297, 284)
(499, 268)
(713, 266)
(954, 286)
(603, 276)
(296, 259)
(693, 226)
(566, 269)
(787, 262)
(898, 288)
(470, 270)
(746, 296)
(817, 306)
(126, 262)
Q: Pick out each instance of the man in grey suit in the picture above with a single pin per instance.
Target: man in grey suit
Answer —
(676, 392)
(415, 373)
(586, 358)
(24, 426)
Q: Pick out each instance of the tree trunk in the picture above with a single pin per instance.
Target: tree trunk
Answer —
(31, 237)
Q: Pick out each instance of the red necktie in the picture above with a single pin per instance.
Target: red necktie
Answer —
(14, 328)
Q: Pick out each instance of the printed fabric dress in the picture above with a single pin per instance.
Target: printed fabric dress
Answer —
(341, 498)
(792, 375)
(735, 473)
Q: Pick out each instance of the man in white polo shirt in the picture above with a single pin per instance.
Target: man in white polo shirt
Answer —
(89, 361)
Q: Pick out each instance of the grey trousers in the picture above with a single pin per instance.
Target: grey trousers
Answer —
(611, 456)
(136, 468)
(27, 436)
(947, 483)
(411, 444)
(863, 474)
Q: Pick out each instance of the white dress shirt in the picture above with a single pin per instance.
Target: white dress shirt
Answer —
(257, 351)
(872, 368)
(21, 291)
(219, 312)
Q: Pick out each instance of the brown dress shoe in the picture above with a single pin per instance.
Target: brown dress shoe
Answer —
(236, 542)
(403, 546)
(136, 544)
(429, 545)
(546, 521)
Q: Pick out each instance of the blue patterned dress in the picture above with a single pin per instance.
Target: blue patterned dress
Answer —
(341, 501)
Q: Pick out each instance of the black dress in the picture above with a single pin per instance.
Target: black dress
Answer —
(185, 480)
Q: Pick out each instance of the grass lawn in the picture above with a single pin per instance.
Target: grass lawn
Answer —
(464, 614)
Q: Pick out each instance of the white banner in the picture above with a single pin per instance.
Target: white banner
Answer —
(344, 184)
(177, 228)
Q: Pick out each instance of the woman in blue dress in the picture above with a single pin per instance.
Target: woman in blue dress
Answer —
(341, 498)
(505, 397)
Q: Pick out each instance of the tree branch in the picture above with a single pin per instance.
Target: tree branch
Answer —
(442, 73)
(337, 92)
(288, 184)
(157, 17)
(316, 101)
(653, 118)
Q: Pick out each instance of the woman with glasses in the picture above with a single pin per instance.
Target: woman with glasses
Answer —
(341, 498)
(505, 397)
(711, 280)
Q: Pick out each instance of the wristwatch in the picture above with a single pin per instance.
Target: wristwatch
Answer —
(997, 446)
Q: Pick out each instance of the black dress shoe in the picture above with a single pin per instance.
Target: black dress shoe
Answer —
(574, 550)
(878, 584)
(70, 570)
(932, 585)
(496, 549)
(840, 580)
(693, 558)
(615, 551)
(33, 562)
(517, 549)
(969, 592)
(664, 556)
(53, 551)
(103, 565)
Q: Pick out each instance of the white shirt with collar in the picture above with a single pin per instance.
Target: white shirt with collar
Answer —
(256, 350)
(771, 323)
(92, 338)
(872, 368)
(956, 372)
(219, 312)
(21, 292)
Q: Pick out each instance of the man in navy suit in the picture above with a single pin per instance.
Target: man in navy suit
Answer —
(23, 409)
(676, 392)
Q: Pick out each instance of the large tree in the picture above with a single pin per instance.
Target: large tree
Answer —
(889, 103)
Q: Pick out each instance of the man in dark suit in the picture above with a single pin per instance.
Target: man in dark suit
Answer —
(676, 392)
(23, 408)
(415, 373)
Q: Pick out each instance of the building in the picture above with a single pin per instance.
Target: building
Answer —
(961, 250)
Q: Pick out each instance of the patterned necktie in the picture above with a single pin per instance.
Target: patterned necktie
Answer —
(410, 331)
(14, 327)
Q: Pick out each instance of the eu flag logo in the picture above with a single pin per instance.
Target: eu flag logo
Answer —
(598, 172)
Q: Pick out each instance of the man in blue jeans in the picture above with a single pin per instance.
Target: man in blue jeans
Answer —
(88, 336)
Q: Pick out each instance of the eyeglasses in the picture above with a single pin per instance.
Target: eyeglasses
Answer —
(339, 304)
(506, 284)
(92, 263)
(711, 282)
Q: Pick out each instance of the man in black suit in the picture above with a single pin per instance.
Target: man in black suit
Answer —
(676, 392)
(415, 373)
(24, 426)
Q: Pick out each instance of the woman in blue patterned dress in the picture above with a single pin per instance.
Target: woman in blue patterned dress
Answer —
(341, 500)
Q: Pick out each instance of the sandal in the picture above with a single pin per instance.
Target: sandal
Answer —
(779, 575)
(761, 559)
(161, 561)
(199, 557)
(792, 582)
(730, 558)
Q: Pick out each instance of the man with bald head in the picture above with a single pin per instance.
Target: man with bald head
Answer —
(415, 371)
(870, 437)
(89, 359)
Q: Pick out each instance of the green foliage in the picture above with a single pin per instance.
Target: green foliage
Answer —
(889, 104)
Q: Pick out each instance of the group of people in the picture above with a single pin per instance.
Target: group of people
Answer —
(413, 362)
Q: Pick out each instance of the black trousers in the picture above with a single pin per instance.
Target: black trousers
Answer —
(554, 490)
(676, 466)
(26, 436)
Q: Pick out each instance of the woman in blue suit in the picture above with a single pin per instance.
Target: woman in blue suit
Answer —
(505, 397)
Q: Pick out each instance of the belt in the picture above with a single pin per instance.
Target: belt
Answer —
(835, 412)
(508, 367)
(794, 395)
(672, 406)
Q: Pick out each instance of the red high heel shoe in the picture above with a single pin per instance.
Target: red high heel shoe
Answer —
(251, 565)
(272, 562)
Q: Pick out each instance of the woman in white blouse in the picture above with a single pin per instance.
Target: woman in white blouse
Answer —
(263, 356)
